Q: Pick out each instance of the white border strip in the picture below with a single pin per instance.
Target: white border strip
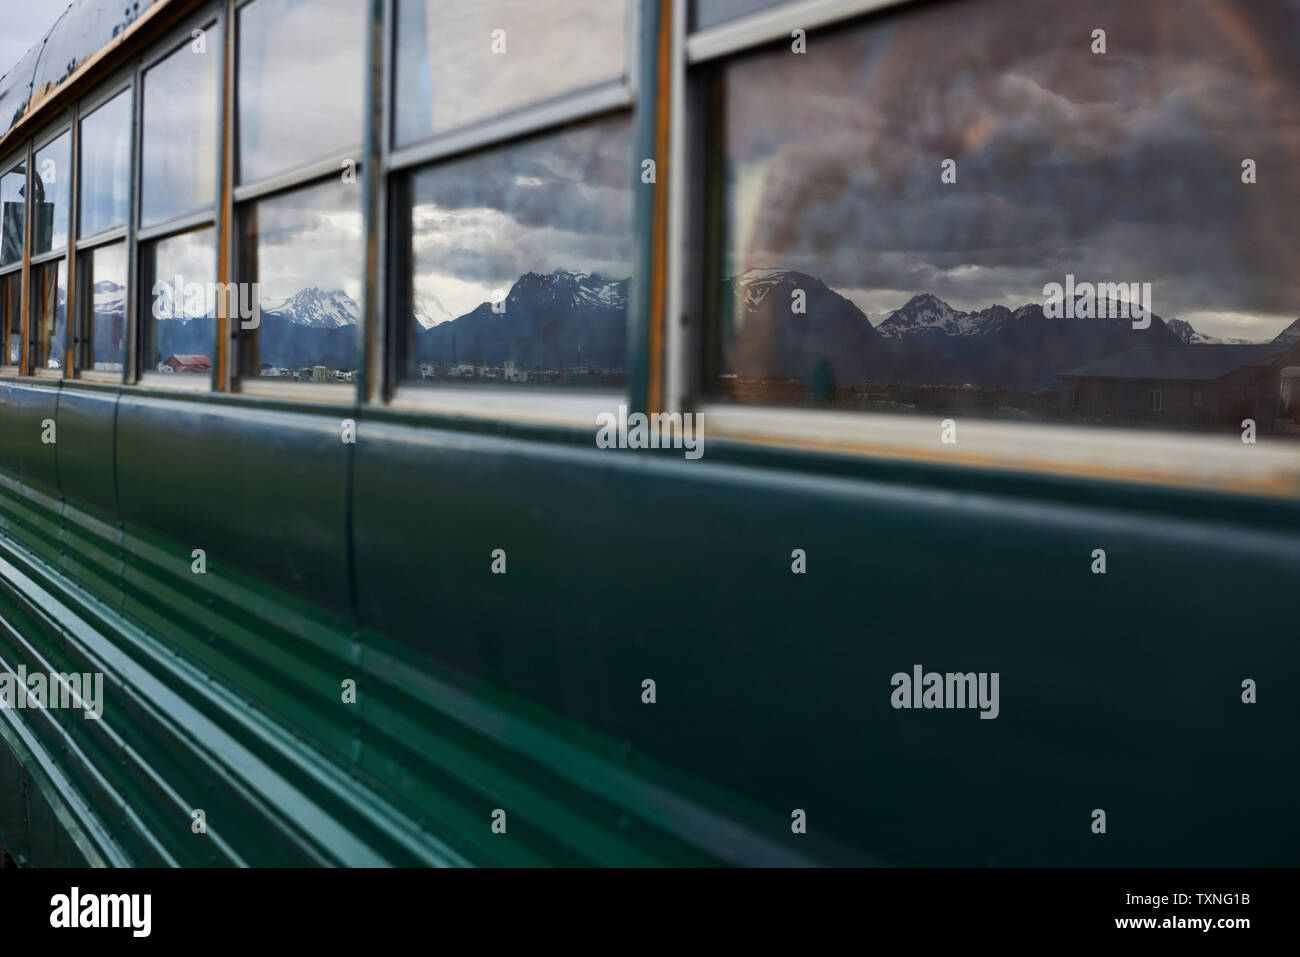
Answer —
(1224, 462)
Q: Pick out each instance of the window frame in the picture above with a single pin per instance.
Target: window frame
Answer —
(211, 18)
(43, 371)
(244, 196)
(62, 122)
(123, 81)
(301, 174)
(243, 270)
(1099, 452)
(19, 156)
(623, 97)
(82, 361)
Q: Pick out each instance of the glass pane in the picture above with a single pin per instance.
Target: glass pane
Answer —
(301, 79)
(306, 250)
(11, 321)
(178, 165)
(470, 60)
(179, 331)
(105, 165)
(1090, 230)
(520, 263)
(51, 190)
(13, 215)
(709, 13)
(49, 314)
(108, 318)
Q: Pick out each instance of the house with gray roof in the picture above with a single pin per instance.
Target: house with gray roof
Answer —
(1201, 384)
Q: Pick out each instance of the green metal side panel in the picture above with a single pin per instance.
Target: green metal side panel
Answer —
(223, 694)
(477, 692)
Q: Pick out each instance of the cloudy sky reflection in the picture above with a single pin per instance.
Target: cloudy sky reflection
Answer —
(1119, 167)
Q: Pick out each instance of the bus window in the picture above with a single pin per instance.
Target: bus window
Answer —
(959, 213)
(105, 164)
(300, 86)
(303, 252)
(519, 262)
(465, 61)
(179, 152)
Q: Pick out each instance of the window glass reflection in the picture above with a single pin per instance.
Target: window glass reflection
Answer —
(892, 242)
(178, 161)
(108, 307)
(13, 215)
(471, 60)
(51, 189)
(520, 263)
(305, 251)
(11, 322)
(105, 165)
(178, 329)
(301, 77)
(49, 292)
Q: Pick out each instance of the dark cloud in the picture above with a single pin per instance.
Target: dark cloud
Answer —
(1122, 166)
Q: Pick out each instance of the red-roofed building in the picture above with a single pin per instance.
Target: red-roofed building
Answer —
(180, 363)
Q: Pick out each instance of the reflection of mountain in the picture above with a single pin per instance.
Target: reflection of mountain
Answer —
(1289, 335)
(1189, 336)
(109, 320)
(1023, 350)
(315, 308)
(924, 342)
(110, 299)
(565, 319)
(429, 311)
(786, 321)
(310, 328)
(561, 319)
(929, 314)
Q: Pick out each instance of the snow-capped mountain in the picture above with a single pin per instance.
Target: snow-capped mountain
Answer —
(1184, 331)
(171, 303)
(929, 313)
(315, 308)
(550, 320)
(568, 288)
(429, 311)
(787, 322)
(754, 285)
(1289, 335)
(110, 298)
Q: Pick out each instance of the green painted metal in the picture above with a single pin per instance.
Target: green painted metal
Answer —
(522, 691)
(223, 693)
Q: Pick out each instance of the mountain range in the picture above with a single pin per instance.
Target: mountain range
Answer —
(566, 318)
(925, 341)
(549, 320)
